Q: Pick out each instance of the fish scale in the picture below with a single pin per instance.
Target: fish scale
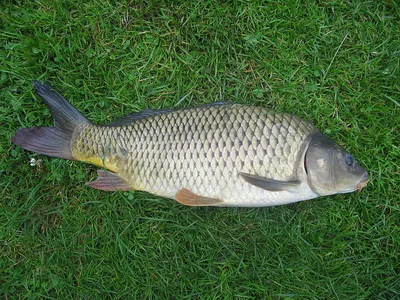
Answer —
(202, 149)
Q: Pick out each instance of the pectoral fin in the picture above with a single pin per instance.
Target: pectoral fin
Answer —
(186, 197)
(108, 181)
(271, 185)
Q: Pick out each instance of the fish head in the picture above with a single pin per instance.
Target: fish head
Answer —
(330, 169)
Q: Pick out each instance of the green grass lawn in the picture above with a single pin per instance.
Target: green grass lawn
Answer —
(336, 64)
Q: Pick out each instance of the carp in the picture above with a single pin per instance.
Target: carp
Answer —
(219, 154)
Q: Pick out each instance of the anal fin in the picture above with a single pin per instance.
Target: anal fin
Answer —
(108, 181)
(186, 197)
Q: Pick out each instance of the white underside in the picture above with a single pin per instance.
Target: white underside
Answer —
(246, 195)
(252, 196)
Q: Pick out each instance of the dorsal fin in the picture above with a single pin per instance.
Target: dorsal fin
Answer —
(147, 113)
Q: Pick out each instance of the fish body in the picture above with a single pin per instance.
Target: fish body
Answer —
(203, 149)
(218, 154)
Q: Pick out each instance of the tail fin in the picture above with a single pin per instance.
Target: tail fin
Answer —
(52, 141)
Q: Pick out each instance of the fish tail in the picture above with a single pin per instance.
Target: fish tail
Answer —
(52, 141)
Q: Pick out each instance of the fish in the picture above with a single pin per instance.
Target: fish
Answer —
(218, 154)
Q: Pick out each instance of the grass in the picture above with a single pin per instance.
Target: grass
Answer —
(334, 63)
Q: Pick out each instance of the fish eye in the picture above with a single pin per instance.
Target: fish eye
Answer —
(349, 160)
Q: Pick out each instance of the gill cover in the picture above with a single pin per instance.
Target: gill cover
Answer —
(330, 169)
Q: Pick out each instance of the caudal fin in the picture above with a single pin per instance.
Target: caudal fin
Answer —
(52, 141)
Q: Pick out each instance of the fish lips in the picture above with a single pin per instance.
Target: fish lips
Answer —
(363, 182)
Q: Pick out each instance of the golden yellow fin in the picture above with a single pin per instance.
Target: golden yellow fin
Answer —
(186, 197)
(108, 181)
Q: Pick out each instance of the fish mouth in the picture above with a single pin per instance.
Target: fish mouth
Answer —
(363, 182)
